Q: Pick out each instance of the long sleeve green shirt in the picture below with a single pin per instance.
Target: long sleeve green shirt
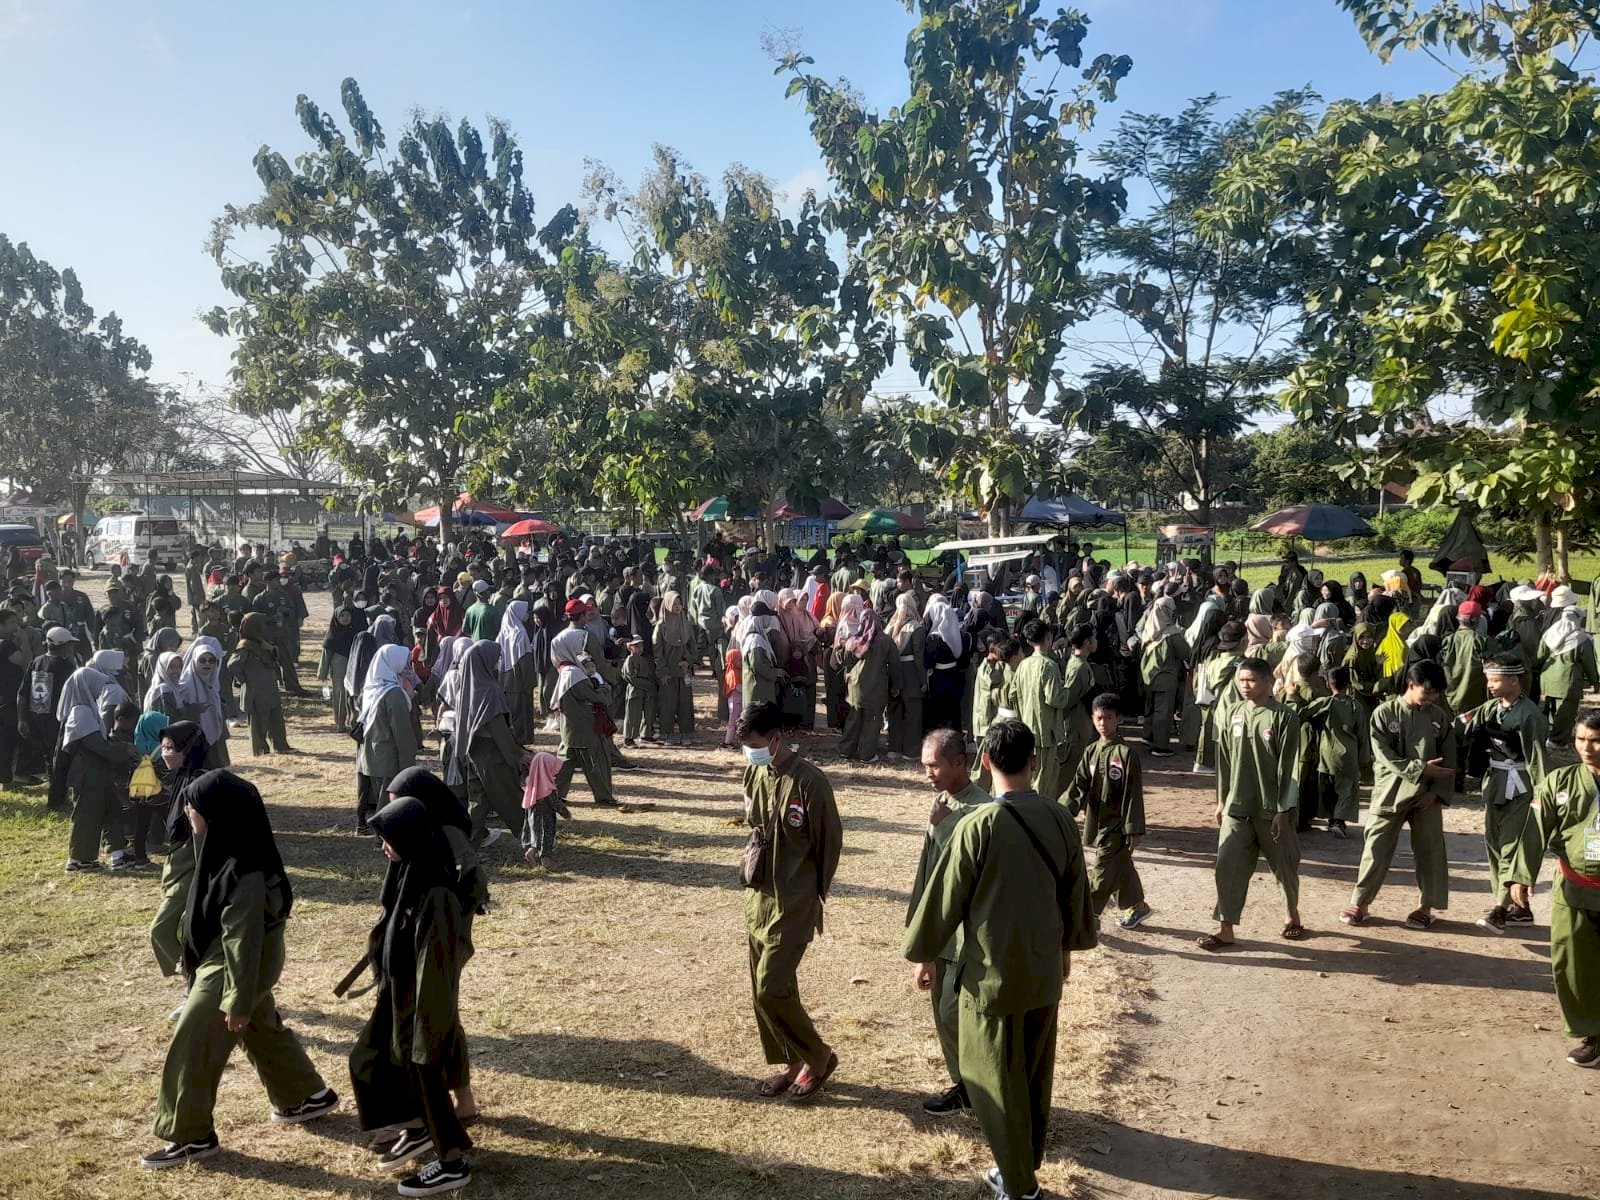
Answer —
(959, 804)
(1565, 815)
(794, 804)
(1404, 740)
(1041, 699)
(1258, 760)
(1108, 788)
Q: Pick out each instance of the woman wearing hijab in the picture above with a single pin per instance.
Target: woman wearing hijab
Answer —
(868, 661)
(386, 630)
(162, 641)
(362, 648)
(422, 635)
(388, 735)
(580, 694)
(674, 650)
(910, 639)
(95, 763)
(112, 664)
(800, 631)
(947, 651)
(200, 697)
(347, 624)
(398, 1066)
(238, 902)
(1566, 662)
(1163, 658)
(758, 657)
(254, 663)
(517, 676)
(1365, 665)
(180, 762)
(446, 619)
(481, 752)
(140, 811)
(1219, 669)
(162, 696)
(833, 685)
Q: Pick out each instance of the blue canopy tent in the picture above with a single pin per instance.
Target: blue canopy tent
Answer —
(467, 516)
(1072, 512)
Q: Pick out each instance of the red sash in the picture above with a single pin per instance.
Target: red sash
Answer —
(1577, 878)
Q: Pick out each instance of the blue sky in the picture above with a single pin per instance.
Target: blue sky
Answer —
(130, 126)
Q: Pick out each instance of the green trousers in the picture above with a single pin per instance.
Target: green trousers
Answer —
(1241, 844)
(861, 726)
(1505, 828)
(905, 726)
(1008, 1065)
(201, 1045)
(596, 767)
(640, 719)
(1563, 714)
(946, 999)
(1575, 966)
(675, 706)
(1427, 850)
(1163, 704)
(93, 817)
(1114, 874)
(264, 726)
(1340, 795)
(787, 1033)
(1047, 772)
(166, 930)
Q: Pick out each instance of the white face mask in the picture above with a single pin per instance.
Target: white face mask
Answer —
(758, 756)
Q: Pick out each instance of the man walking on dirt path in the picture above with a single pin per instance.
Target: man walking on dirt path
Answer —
(1012, 880)
(1258, 764)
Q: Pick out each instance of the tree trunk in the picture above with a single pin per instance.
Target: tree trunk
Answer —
(446, 519)
(1541, 538)
(1563, 566)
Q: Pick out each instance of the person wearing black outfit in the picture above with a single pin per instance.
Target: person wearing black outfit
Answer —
(13, 692)
(38, 696)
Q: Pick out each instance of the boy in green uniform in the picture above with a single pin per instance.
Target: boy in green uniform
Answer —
(1413, 777)
(1108, 787)
(1566, 664)
(1343, 748)
(1564, 819)
(1012, 880)
(790, 801)
(1257, 791)
(1511, 732)
(639, 674)
(1077, 681)
(944, 757)
(1042, 707)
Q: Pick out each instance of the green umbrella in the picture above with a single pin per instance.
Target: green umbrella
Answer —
(874, 520)
(714, 509)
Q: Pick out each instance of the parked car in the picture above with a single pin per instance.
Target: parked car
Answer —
(124, 538)
(27, 541)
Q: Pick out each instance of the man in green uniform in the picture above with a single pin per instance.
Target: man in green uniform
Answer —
(944, 758)
(1564, 819)
(1077, 681)
(482, 622)
(1413, 777)
(1108, 787)
(795, 850)
(1258, 788)
(1507, 734)
(1012, 880)
(1042, 707)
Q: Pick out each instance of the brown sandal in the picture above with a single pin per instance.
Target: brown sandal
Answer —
(1422, 920)
(1353, 916)
(807, 1085)
(1293, 932)
(1212, 942)
(775, 1085)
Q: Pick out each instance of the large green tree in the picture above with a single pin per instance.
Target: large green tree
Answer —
(394, 297)
(1460, 291)
(965, 214)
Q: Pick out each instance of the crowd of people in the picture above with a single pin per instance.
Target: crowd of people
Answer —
(1290, 696)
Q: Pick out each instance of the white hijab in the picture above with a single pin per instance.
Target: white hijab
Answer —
(390, 666)
(160, 685)
(513, 639)
(78, 708)
(565, 650)
(943, 622)
(207, 693)
(1566, 632)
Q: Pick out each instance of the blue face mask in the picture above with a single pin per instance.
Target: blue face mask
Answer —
(758, 756)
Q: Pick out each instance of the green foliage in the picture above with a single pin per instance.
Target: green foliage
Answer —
(1295, 464)
(396, 294)
(966, 216)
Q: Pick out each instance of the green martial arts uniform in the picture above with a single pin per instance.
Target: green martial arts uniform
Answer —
(945, 994)
(494, 777)
(581, 743)
(1563, 678)
(674, 700)
(1108, 788)
(1219, 671)
(1565, 821)
(793, 805)
(1514, 738)
(641, 719)
(758, 673)
(1257, 778)
(97, 767)
(905, 712)
(1042, 707)
(1461, 656)
(1404, 740)
(166, 929)
(1161, 670)
(254, 664)
(1021, 908)
(235, 977)
(869, 680)
(1343, 748)
(987, 684)
(1079, 686)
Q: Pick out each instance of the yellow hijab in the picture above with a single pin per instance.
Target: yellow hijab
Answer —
(1392, 650)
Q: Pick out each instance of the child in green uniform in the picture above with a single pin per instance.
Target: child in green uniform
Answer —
(1042, 707)
(1566, 669)
(1413, 777)
(1162, 656)
(639, 674)
(1506, 736)
(1564, 820)
(1078, 682)
(1257, 792)
(1305, 693)
(1213, 684)
(1108, 788)
(1343, 748)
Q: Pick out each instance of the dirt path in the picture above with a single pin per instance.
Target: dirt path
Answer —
(1371, 1062)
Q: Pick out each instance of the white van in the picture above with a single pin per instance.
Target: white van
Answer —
(130, 537)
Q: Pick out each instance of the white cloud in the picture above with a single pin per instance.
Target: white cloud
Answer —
(792, 190)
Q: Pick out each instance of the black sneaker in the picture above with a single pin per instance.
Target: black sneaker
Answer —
(175, 1154)
(437, 1177)
(75, 865)
(948, 1102)
(1517, 915)
(1494, 920)
(1337, 828)
(1586, 1053)
(413, 1144)
(1162, 753)
(309, 1109)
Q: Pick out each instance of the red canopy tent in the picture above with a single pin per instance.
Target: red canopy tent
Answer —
(466, 503)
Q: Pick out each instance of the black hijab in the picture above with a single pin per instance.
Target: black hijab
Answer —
(341, 637)
(237, 842)
(443, 805)
(425, 864)
(190, 741)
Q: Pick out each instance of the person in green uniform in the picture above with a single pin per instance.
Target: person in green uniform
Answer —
(674, 663)
(1566, 665)
(254, 663)
(944, 758)
(1344, 747)
(1012, 880)
(1042, 707)
(1213, 687)
(640, 720)
(481, 756)
(910, 638)
(1107, 786)
(1257, 793)
(519, 674)
(482, 620)
(1523, 630)
(388, 739)
(1505, 740)
(793, 855)
(867, 658)
(579, 690)
(238, 902)
(1564, 820)
(1413, 778)
(417, 950)
(1461, 656)
(1162, 655)
(96, 763)
(180, 762)
(1079, 686)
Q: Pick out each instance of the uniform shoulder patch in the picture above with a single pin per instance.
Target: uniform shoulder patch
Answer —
(795, 814)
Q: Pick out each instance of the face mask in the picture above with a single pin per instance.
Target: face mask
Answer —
(758, 756)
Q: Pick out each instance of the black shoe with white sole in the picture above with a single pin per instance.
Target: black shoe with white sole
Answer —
(412, 1145)
(1586, 1053)
(1517, 915)
(950, 1101)
(309, 1109)
(175, 1154)
(437, 1177)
